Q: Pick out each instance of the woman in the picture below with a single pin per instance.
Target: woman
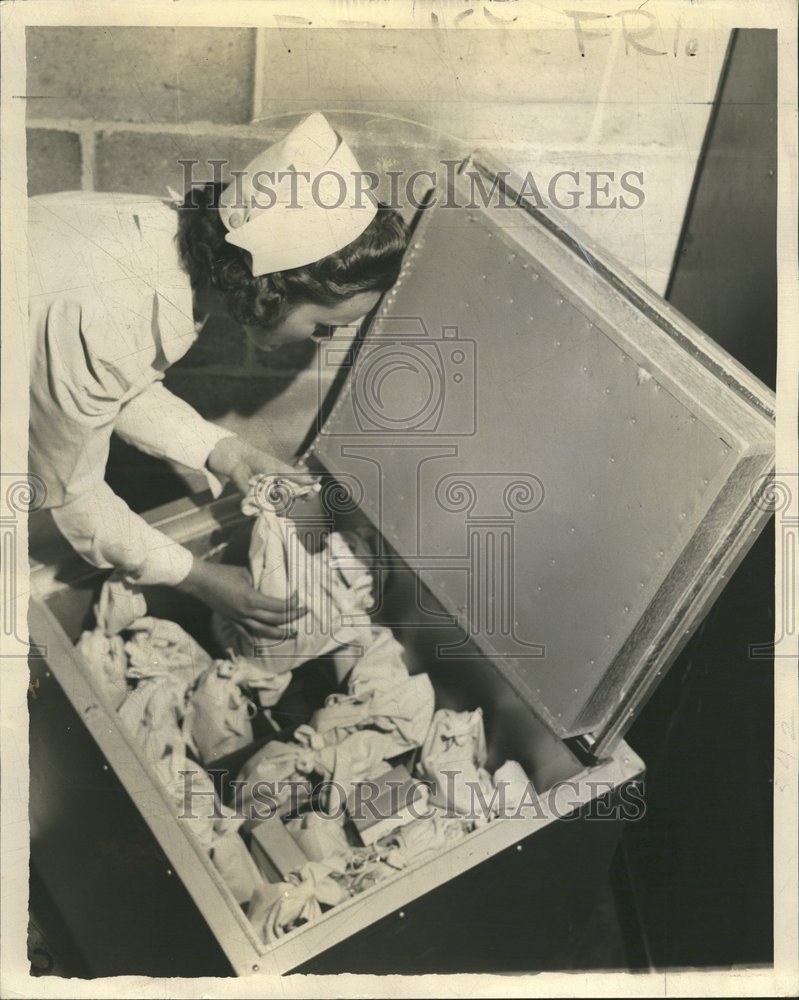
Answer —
(119, 286)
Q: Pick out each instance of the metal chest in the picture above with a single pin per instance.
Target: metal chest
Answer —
(564, 472)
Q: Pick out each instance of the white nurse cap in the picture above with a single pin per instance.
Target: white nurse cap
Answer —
(286, 221)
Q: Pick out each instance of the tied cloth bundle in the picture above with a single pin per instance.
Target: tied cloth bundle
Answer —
(220, 706)
(216, 828)
(287, 772)
(382, 697)
(333, 585)
(203, 817)
(103, 648)
(453, 759)
(319, 837)
(154, 647)
(218, 713)
(164, 662)
(161, 648)
(279, 908)
(422, 838)
(152, 714)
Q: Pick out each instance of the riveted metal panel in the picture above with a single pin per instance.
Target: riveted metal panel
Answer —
(553, 455)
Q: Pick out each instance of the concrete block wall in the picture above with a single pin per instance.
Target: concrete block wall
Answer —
(117, 108)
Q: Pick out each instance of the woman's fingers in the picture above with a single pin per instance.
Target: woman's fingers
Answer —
(274, 611)
(262, 630)
(287, 624)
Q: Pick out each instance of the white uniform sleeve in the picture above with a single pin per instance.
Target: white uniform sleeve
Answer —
(75, 400)
(161, 424)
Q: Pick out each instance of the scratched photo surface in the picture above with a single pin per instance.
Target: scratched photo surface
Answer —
(484, 381)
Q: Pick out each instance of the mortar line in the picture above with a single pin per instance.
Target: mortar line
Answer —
(258, 76)
(88, 158)
(245, 131)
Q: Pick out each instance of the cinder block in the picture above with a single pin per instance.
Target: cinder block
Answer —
(146, 162)
(141, 74)
(54, 161)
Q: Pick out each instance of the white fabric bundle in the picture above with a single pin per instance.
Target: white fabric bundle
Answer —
(453, 759)
(161, 648)
(218, 713)
(151, 713)
(308, 759)
(319, 837)
(279, 908)
(423, 838)
(334, 586)
(379, 666)
(102, 648)
(401, 710)
(105, 657)
(514, 787)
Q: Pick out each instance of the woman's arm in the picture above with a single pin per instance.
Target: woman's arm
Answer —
(107, 533)
(161, 424)
(75, 402)
(165, 426)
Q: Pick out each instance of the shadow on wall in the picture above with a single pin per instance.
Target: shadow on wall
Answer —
(223, 374)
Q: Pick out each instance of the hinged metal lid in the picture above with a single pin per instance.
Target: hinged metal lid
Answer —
(565, 460)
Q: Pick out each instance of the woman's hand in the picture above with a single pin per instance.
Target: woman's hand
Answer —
(229, 590)
(239, 461)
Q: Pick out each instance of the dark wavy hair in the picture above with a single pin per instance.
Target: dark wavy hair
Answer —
(371, 263)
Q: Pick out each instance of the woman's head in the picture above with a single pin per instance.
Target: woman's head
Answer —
(289, 305)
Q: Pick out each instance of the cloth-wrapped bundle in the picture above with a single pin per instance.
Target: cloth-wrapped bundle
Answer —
(105, 657)
(103, 648)
(266, 687)
(153, 647)
(401, 710)
(422, 838)
(217, 829)
(319, 837)
(377, 664)
(152, 713)
(159, 647)
(279, 908)
(120, 603)
(515, 790)
(164, 662)
(366, 866)
(453, 759)
(218, 713)
(233, 861)
(287, 771)
(334, 587)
